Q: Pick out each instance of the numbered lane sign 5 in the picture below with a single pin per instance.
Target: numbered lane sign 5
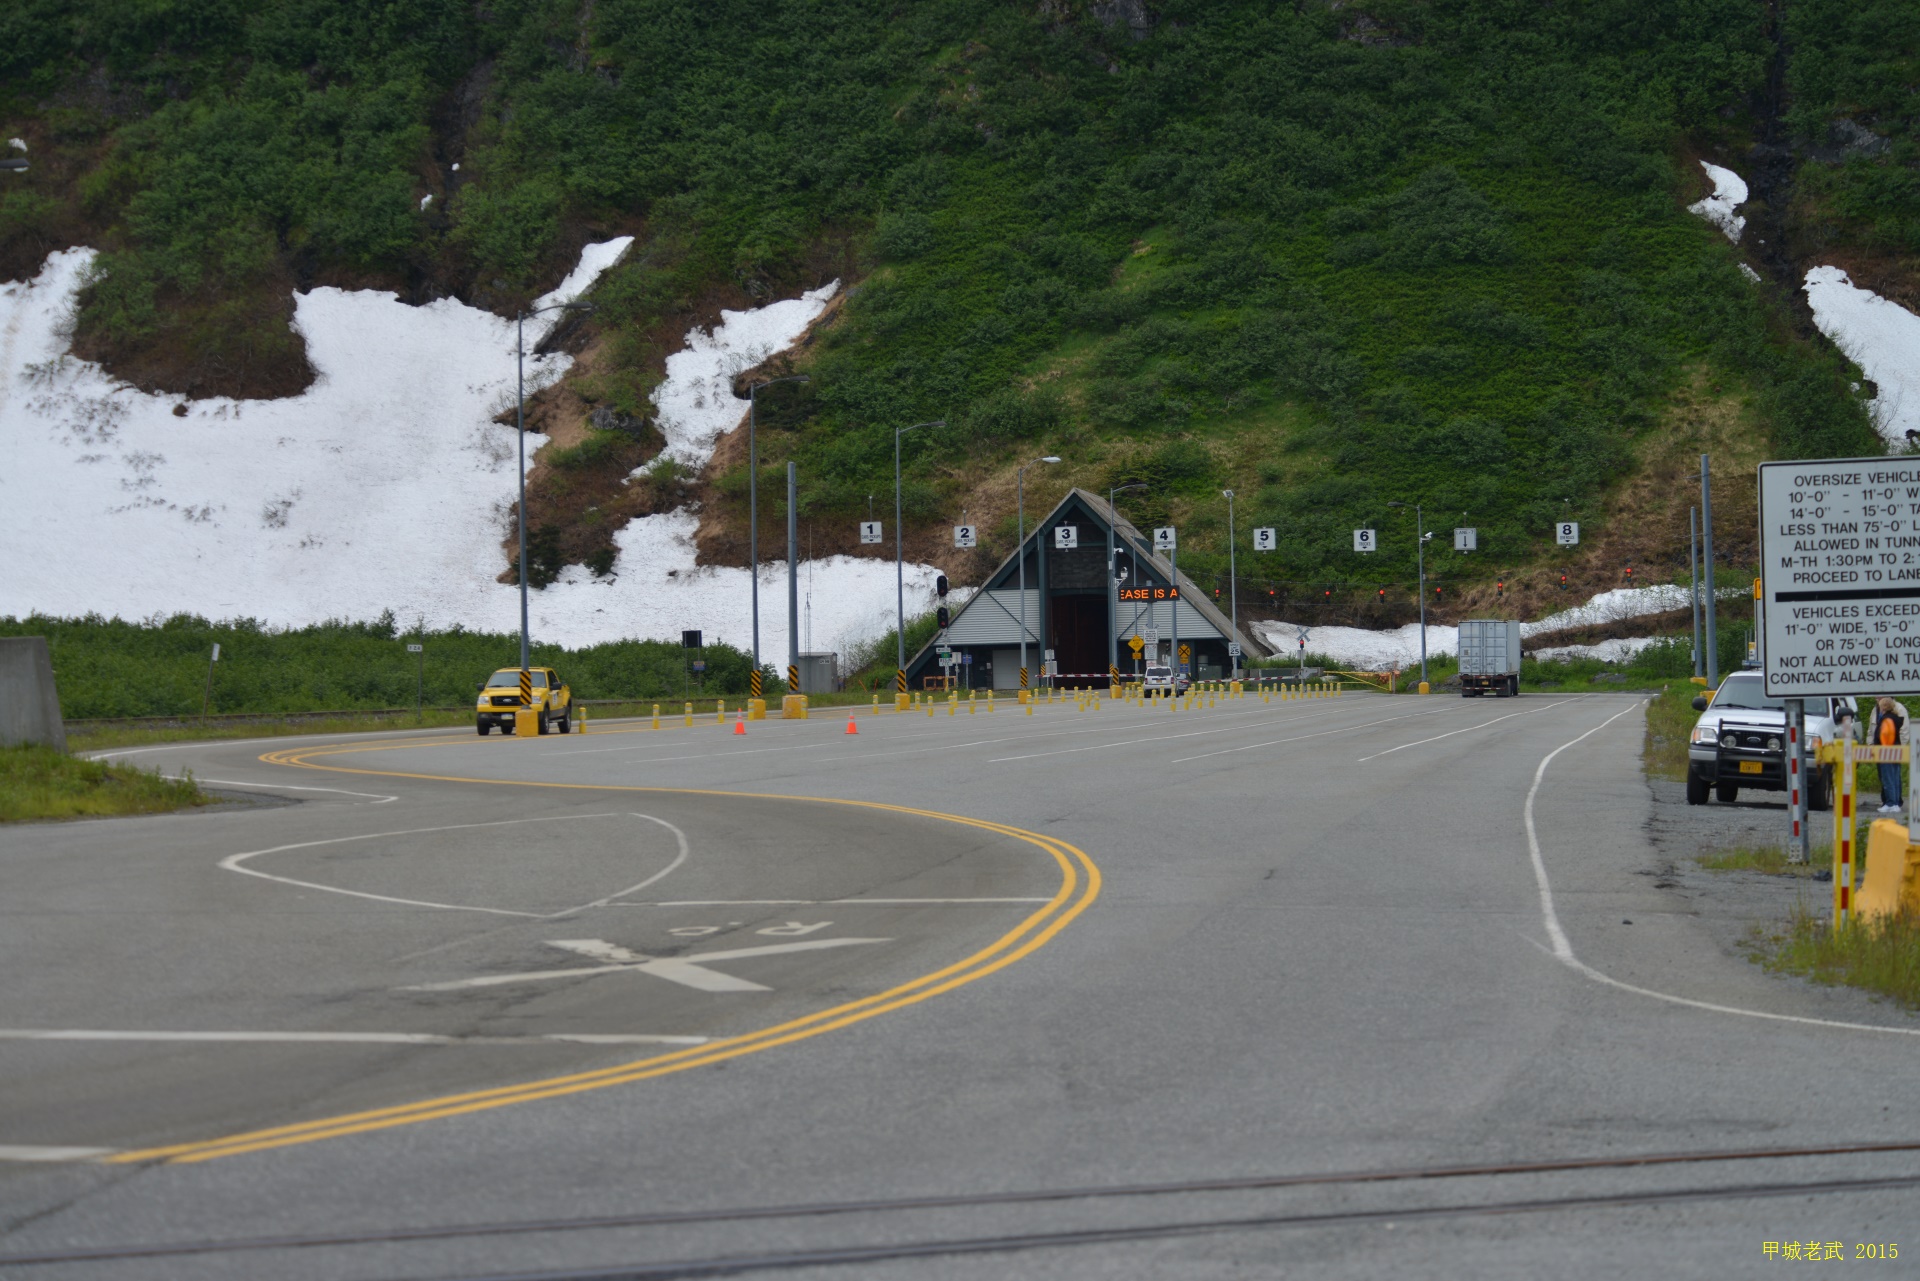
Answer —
(1264, 540)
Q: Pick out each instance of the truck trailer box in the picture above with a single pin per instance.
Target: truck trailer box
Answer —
(1489, 657)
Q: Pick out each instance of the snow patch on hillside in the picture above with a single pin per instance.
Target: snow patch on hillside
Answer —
(1729, 193)
(384, 486)
(1881, 337)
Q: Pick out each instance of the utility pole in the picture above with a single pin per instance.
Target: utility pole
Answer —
(1233, 582)
(1706, 542)
(753, 500)
(793, 578)
(899, 565)
(1693, 579)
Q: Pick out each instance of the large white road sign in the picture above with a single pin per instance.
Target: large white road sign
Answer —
(1840, 576)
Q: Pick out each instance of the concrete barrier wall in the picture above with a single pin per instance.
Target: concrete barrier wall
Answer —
(29, 703)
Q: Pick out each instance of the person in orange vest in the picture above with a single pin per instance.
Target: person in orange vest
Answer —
(1889, 729)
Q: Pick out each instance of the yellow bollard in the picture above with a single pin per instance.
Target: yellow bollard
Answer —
(953, 702)
(903, 702)
(989, 700)
(928, 704)
(970, 701)
(583, 720)
(656, 716)
(689, 715)
(719, 711)
(876, 705)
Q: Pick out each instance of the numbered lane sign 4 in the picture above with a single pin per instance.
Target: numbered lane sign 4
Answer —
(1567, 533)
(964, 536)
(869, 531)
(1365, 540)
(1066, 537)
(1164, 539)
(1264, 540)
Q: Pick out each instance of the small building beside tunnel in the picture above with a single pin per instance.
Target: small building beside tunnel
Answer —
(1079, 612)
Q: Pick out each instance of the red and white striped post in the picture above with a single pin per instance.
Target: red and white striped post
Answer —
(1843, 833)
(1796, 781)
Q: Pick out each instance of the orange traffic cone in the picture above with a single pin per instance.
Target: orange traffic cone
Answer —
(851, 727)
(740, 723)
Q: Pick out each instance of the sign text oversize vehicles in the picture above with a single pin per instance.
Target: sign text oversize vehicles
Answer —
(1840, 576)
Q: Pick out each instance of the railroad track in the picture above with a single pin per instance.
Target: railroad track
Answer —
(1005, 1242)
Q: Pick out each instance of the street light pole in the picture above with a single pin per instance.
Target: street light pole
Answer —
(793, 579)
(899, 569)
(520, 419)
(1113, 580)
(753, 500)
(1233, 581)
(1020, 551)
(1420, 551)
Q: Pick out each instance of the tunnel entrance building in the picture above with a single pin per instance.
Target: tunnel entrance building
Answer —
(1076, 607)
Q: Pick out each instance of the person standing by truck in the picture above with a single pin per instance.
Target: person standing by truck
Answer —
(1889, 730)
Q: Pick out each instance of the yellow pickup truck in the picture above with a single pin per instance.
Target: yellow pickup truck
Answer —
(500, 699)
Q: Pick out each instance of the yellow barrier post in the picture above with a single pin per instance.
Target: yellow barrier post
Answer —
(656, 716)
(970, 702)
(583, 720)
(876, 705)
(793, 707)
(719, 711)
(989, 700)
(689, 714)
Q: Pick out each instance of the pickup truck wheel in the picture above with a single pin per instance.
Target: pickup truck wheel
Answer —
(481, 728)
(541, 721)
(1697, 789)
(1726, 793)
(566, 722)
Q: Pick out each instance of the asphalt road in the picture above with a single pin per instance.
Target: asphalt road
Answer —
(604, 1005)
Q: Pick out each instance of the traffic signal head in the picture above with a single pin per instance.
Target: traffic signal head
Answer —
(1383, 593)
(944, 617)
(1499, 587)
(1563, 582)
(940, 586)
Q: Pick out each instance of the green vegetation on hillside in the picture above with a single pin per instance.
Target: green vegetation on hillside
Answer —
(38, 783)
(1327, 255)
(115, 668)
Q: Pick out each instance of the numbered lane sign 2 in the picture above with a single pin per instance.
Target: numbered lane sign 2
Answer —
(1264, 540)
(965, 536)
(1365, 540)
(1567, 533)
(869, 531)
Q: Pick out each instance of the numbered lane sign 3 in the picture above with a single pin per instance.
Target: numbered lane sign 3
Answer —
(1066, 537)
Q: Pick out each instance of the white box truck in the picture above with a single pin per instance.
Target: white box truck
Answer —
(1489, 657)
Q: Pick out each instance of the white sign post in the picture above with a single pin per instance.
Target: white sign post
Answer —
(1066, 537)
(965, 536)
(1365, 540)
(869, 531)
(1264, 540)
(1567, 533)
(1466, 540)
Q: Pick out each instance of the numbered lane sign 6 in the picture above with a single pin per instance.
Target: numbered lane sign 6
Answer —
(1365, 540)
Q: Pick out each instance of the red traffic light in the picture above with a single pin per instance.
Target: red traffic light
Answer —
(1563, 582)
(1383, 593)
(1499, 587)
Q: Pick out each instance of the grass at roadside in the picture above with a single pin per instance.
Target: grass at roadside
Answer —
(1769, 859)
(1881, 956)
(38, 783)
(1670, 718)
(87, 738)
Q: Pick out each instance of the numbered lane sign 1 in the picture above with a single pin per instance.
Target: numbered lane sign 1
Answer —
(1567, 533)
(964, 536)
(869, 531)
(1164, 539)
(1066, 537)
(1466, 540)
(1364, 540)
(1264, 540)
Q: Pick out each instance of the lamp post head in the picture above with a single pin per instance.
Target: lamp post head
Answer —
(1227, 494)
(1396, 504)
(1050, 458)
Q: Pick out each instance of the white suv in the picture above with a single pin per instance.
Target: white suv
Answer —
(1740, 741)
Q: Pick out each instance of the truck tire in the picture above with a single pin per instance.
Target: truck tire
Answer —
(1697, 789)
(1820, 790)
(1513, 685)
(541, 721)
(1726, 793)
(566, 722)
(481, 727)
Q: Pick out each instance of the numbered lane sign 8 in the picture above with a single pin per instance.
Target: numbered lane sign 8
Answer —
(1567, 533)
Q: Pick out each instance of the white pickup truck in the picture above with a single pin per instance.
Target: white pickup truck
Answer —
(1740, 741)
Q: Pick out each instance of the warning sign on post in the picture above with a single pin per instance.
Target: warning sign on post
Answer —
(1840, 576)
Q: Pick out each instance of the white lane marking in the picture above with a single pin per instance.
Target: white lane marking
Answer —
(689, 971)
(338, 1038)
(1300, 738)
(235, 863)
(37, 1152)
(378, 798)
(1563, 948)
(284, 739)
(1468, 730)
(826, 902)
(1207, 732)
(679, 858)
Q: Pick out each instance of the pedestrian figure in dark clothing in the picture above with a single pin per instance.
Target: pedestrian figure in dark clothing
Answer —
(1889, 730)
